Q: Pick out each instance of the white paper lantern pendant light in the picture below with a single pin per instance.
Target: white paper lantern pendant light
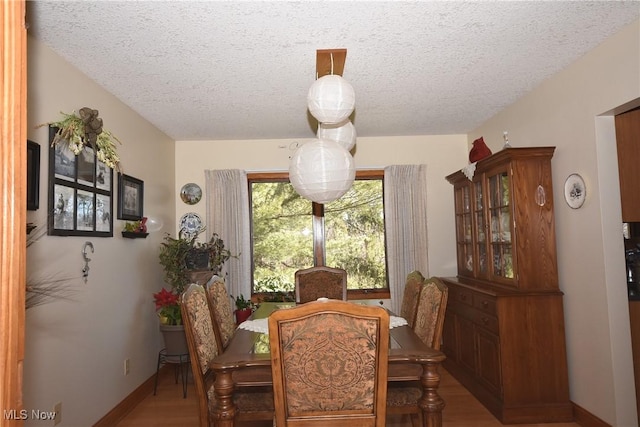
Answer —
(322, 171)
(343, 133)
(331, 99)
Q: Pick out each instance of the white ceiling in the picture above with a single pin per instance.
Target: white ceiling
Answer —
(242, 69)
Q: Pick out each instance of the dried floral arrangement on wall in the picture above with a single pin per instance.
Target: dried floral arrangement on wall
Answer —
(85, 129)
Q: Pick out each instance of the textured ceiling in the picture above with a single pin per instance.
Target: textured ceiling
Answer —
(242, 69)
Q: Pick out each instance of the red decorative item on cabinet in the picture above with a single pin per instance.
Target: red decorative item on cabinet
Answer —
(479, 150)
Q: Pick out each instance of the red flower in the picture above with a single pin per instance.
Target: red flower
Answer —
(168, 307)
(165, 298)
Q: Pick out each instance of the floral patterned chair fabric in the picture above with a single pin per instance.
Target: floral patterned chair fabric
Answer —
(320, 282)
(329, 363)
(221, 311)
(432, 305)
(412, 288)
(196, 315)
(198, 324)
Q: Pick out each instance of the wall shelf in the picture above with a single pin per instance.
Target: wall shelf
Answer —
(134, 235)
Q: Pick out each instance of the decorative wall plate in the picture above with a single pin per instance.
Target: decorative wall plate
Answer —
(191, 193)
(190, 224)
(575, 191)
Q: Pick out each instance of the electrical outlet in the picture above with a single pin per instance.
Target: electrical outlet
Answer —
(126, 366)
(57, 408)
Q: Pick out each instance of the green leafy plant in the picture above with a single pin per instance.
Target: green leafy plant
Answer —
(242, 303)
(279, 296)
(136, 226)
(274, 289)
(174, 257)
(218, 254)
(174, 254)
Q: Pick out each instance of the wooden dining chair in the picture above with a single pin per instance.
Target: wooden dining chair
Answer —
(254, 403)
(320, 282)
(403, 396)
(329, 363)
(410, 296)
(432, 305)
(221, 311)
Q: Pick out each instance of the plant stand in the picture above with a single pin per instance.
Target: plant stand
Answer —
(201, 277)
(175, 352)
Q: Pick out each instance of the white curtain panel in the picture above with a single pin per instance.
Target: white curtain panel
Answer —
(227, 198)
(405, 210)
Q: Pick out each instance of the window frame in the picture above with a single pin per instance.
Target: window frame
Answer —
(318, 231)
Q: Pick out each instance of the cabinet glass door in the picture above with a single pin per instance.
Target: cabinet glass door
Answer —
(464, 229)
(500, 226)
(481, 227)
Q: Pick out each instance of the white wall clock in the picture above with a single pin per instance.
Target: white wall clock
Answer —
(575, 191)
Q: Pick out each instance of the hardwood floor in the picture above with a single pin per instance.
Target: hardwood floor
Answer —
(169, 409)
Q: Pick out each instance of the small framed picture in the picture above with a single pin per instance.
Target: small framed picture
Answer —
(33, 175)
(130, 197)
(64, 208)
(64, 162)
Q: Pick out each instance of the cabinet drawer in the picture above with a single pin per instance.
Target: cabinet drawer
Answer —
(486, 321)
(477, 317)
(485, 303)
(464, 296)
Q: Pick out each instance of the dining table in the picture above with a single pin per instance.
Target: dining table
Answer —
(410, 359)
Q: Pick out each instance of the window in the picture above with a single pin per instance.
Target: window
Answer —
(290, 233)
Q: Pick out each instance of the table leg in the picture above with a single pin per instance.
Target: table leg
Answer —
(224, 410)
(431, 403)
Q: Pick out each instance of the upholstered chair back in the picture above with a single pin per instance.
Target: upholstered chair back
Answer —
(410, 296)
(329, 362)
(320, 282)
(221, 311)
(432, 305)
(203, 347)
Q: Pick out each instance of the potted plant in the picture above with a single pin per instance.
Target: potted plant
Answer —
(180, 256)
(173, 255)
(168, 309)
(244, 308)
(135, 229)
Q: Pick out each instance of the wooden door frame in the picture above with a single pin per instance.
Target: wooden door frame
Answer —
(13, 204)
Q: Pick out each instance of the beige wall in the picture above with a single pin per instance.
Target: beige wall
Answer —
(442, 155)
(572, 112)
(75, 349)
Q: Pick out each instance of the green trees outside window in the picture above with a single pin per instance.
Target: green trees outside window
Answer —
(347, 233)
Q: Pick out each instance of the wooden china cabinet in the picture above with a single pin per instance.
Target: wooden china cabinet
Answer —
(504, 326)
